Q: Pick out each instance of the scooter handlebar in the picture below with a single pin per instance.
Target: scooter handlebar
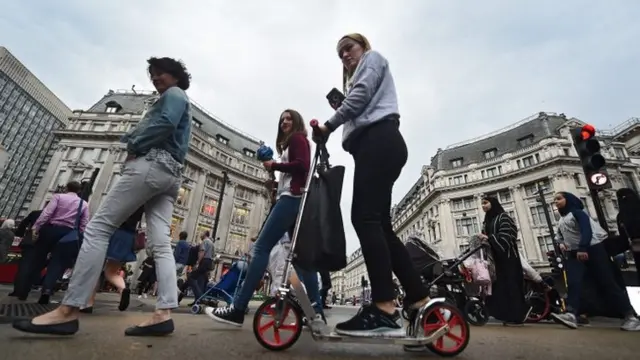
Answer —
(316, 135)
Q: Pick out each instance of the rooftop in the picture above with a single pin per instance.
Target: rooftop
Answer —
(133, 101)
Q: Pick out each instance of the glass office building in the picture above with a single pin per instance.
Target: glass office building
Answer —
(29, 112)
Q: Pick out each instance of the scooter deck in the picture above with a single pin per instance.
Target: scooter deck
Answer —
(326, 334)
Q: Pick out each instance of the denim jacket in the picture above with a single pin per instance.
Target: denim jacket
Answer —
(165, 126)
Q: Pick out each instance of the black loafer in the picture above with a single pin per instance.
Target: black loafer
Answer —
(66, 328)
(160, 329)
(125, 298)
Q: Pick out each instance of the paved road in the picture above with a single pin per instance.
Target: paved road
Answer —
(197, 336)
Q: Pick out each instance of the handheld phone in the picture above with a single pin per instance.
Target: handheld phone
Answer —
(335, 98)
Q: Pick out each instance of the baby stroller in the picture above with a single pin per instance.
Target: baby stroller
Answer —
(449, 278)
(225, 290)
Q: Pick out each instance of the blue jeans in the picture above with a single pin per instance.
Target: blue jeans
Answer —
(281, 218)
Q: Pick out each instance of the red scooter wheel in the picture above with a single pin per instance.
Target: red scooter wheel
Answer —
(277, 324)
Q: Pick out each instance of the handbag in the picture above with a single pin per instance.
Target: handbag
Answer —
(140, 241)
(74, 235)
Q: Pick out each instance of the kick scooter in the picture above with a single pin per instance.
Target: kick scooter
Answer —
(436, 323)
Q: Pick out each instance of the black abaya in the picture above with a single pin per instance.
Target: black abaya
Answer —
(507, 301)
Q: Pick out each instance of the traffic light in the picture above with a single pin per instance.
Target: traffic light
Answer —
(364, 282)
(588, 147)
(555, 262)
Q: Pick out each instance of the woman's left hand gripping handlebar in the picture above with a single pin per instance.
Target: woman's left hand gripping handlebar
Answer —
(319, 132)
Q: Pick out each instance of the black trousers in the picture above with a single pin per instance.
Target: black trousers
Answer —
(46, 243)
(380, 153)
(601, 271)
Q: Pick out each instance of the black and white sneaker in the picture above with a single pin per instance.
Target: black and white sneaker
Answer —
(567, 319)
(226, 315)
(372, 322)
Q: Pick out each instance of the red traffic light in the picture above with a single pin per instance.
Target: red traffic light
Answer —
(587, 132)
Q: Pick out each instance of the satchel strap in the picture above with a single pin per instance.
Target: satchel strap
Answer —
(76, 226)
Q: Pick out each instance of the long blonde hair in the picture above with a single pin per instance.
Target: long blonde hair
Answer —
(297, 126)
(366, 46)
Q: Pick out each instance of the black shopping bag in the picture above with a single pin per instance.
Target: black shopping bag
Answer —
(322, 245)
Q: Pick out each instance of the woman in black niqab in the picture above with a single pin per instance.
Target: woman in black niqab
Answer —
(629, 223)
(507, 301)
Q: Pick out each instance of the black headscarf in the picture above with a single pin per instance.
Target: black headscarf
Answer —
(496, 209)
(629, 211)
(572, 204)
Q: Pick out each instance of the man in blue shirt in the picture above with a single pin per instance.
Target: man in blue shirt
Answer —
(181, 253)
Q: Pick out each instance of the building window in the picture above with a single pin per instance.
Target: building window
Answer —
(619, 153)
(537, 215)
(576, 180)
(463, 204)
(525, 141)
(546, 244)
(531, 189)
(86, 155)
(195, 122)
(214, 182)
(456, 162)
(112, 107)
(249, 153)
(183, 197)
(527, 161)
(244, 193)
(240, 216)
(490, 154)
(201, 229)
(457, 180)
(467, 226)
(222, 139)
(503, 196)
(236, 244)
(176, 226)
(209, 206)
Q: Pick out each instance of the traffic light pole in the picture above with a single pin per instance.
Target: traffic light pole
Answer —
(547, 216)
(225, 180)
(597, 204)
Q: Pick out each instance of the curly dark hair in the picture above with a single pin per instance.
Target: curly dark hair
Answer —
(173, 67)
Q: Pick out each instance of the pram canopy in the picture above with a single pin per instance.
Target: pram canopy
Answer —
(422, 256)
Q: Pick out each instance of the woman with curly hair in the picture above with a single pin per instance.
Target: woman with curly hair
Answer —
(151, 177)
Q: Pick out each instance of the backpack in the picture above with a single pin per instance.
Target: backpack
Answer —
(192, 259)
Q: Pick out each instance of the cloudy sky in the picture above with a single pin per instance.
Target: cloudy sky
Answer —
(462, 68)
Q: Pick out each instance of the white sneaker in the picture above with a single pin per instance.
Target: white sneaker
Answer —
(631, 324)
(145, 296)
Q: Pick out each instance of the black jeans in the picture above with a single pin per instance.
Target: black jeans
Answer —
(380, 153)
(63, 257)
(25, 278)
(48, 238)
(599, 267)
(198, 278)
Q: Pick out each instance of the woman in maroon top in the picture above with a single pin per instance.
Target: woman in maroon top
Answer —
(295, 157)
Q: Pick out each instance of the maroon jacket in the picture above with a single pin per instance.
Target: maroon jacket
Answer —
(299, 162)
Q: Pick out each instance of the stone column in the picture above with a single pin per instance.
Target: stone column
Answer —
(100, 187)
(529, 241)
(197, 198)
(448, 245)
(226, 212)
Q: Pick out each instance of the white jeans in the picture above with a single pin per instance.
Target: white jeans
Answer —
(143, 182)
